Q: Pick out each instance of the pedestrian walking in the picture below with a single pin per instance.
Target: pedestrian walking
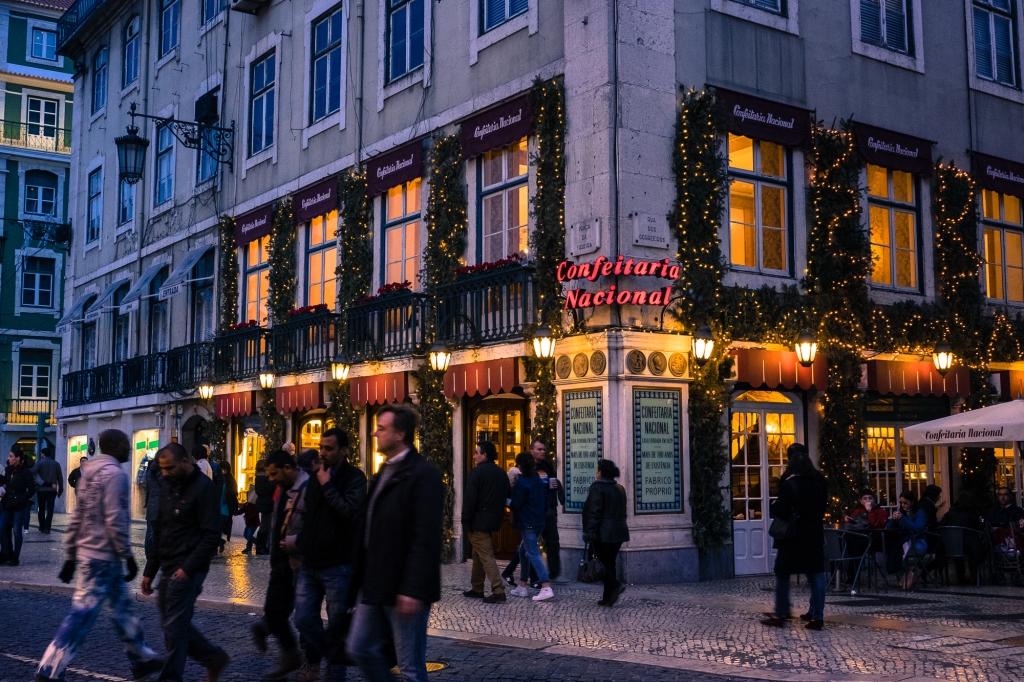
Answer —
(185, 538)
(265, 490)
(49, 486)
(529, 510)
(309, 461)
(201, 457)
(509, 573)
(155, 484)
(604, 526)
(291, 482)
(483, 510)
(398, 557)
(801, 502)
(333, 502)
(97, 542)
(289, 447)
(556, 496)
(228, 499)
(15, 507)
(76, 473)
(251, 515)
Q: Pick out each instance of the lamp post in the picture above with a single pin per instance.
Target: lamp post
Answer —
(806, 348)
(340, 367)
(206, 390)
(267, 374)
(703, 345)
(440, 356)
(544, 342)
(943, 357)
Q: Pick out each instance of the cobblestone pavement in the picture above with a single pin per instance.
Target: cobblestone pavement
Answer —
(947, 633)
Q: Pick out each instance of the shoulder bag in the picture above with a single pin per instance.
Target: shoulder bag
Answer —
(591, 570)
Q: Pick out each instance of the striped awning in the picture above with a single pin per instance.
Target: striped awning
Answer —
(482, 378)
(235, 404)
(299, 398)
(379, 389)
(772, 369)
(917, 378)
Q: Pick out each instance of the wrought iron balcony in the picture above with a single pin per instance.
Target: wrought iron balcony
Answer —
(74, 18)
(35, 136)
(487, 308)
(239, 354)
(307, 343)
(143, 375)
(188, 366)
(386, 326)
(24, 411)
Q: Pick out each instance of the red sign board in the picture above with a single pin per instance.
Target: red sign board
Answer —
(890, 149)
(628, 267)
(1000, 175)
(254, 225)
(393, 168)
(497, 127)
(318, 200)
(764, 119)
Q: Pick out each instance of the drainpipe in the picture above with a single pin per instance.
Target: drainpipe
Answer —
(139, 205)
(360, 15)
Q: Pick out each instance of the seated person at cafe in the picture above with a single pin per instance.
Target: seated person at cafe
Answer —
(1005, 514)
(910, 543)
(865, 518)
(965, 514)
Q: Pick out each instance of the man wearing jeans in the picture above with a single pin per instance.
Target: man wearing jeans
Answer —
(186, 535)
(333, 501)
(97, 542)
(49, 472)
(398, 558)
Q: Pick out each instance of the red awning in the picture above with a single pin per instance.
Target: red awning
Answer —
(379, 389)
(917, 378)
(300, 398)
(774, 368)
(234, 404)
(482, 378)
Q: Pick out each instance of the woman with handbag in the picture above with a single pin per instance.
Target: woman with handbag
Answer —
(797, 516)
(604, 525)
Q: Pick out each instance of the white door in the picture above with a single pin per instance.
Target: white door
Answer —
(760, 435)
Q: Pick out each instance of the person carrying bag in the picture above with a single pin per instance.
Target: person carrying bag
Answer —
(604, 526)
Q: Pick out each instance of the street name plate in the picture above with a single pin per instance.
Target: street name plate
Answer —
(584, 423)
(650, 230)
(657, 452)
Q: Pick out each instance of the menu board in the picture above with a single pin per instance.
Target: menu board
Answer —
(656, 451)
(584, 424)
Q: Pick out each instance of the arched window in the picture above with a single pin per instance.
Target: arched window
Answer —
(99, 79)
(40, 193)
(131, 52)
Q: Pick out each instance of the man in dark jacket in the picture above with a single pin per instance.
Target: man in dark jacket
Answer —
(483, 510)
(264, 505)
(16, 506)
(185, 538)
(49, 472)
(1005, 514)
(556, 496)
(333, 501)
(76, 473)
(398, 559)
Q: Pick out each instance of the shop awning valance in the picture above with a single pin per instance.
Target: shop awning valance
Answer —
(254, 225)
(379, 389)
(999, 175)
(497, 127)
(130, 301)
(317, 200)
(482, 378)
(181, 274)
(917, 378)
(993, 426)
(764, 119)
(890, 149)
(393, 168)
(74, 313)
(300, 398)
(103, 302)
(772, 369)
(234, 404)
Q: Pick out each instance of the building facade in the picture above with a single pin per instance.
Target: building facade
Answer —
(35, 156)
(177, 280)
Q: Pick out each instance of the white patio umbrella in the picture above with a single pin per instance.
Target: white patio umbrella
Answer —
(993, 426)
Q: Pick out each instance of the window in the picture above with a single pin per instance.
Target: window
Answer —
(327, 50)
(130, 72)
(44, 44)
(170, 16)
(99, 79)
(158, 318)
(402, 234)
(322, 260)
(892, 466)
(505, 200)
(1004, 246)
(1006, 469)
(257, 279)
(35, 381)
(211, 8)
(37, 282)
(757, 204)
(994, 26)
(884, 23)
(95, 221)
(405, 36)
(893, 219)
(206, 163)
(42, 117)
(202, 299)
(770, 5)
(125, 203)
(261, 105)
(164, 164)
(88, 345)
(497, 12)
(40, 193)
(120, 326)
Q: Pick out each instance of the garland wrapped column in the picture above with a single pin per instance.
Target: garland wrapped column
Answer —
(273, 422)
(282, 263)
(228, 274)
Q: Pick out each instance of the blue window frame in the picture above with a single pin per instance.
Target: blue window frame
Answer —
(164, 164)
(261, 104)
(130, 72)
(328, 36)
(170, 18)
(497, 12)
(994, 41)
(99, 79)
(405, 37)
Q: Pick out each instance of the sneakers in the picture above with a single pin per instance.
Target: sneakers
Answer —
(545, 593)
(535, 585)
(510, 580)
(496, 598)
(520, 592)
(308, 672)
(473, 594)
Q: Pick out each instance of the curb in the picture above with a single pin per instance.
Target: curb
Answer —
(211, 604)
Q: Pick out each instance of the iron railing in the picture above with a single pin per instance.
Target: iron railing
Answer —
(73, 18)
(239, 354)
(35, 136)
(143, 375)
(188, 366)
(25, 410)
(487, 308)
(305, 343)
(389, 325)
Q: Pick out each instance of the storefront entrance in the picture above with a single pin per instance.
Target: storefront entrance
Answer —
(248, 450)
(762, 425)
(501, 420)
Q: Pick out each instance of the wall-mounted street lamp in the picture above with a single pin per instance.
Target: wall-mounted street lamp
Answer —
(440, 357)
(206, 390)
(218, 143)
(267, 373)
(703, 345)
(943, 357)
(544, 342)
(806, 348)
(340, 367)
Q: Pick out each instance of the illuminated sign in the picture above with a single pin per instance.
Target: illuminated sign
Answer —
(602, 267)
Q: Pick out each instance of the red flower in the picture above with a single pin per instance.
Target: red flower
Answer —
(514, 259)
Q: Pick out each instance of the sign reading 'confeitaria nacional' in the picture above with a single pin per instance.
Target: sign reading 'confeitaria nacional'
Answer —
(602, 267)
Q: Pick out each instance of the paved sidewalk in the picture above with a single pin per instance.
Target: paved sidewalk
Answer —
(947, 633)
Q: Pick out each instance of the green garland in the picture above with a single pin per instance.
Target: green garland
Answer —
(436, 435)
(273, 424)
(228, 274)
(341, 414)
(447, 221)
(283, 269)
(217, 432)
(355, 272)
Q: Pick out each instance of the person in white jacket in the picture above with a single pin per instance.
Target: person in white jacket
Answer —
(98, 546)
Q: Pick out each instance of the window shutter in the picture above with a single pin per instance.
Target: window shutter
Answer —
(517, 7)
(1001, 4)
(494, 13)
(982, 43)
(772, 5)
(1004, 49)
(896, 25)
(870, 22)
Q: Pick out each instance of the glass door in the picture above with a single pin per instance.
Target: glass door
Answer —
(500, 421)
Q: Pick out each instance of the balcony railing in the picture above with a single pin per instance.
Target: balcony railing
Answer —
(188, 366)
(487, 308)
(143, 375)
(305, 343)
(238, 355)
(25, 410)
(390, 325)
(35, 136)
(73, 18)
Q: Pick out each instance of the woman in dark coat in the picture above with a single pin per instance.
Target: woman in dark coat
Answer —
(802, 492)
(604, 525)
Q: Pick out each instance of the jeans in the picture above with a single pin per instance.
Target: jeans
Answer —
(371, 627)
(513, 564)
(552, 547)
(278, 606)
(177, 602)
(263, 534)
(311, 587)
(529, 555)
(818, 583)
(46, 500)
(483, 563)
(608, 553)
(11, 523)
(97, 582)
(250, 531)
